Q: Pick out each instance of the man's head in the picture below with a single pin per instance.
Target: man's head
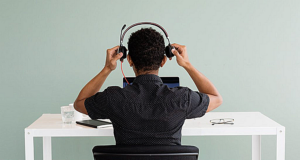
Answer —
(146, 50)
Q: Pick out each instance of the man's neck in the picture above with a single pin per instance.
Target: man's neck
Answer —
(155, 72)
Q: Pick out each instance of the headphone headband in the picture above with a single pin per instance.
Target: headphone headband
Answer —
(140, 23)
(168, 49)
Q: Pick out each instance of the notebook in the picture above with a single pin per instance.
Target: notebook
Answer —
(95, 123)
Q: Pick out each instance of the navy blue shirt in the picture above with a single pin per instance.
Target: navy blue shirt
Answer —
(147, 112)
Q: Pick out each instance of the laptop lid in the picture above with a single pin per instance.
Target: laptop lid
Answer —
(170, 81)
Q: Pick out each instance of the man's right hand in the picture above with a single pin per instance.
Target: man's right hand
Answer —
(112, 57)
(181, 55)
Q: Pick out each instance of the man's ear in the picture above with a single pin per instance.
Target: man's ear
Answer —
(129, 60)
(163, 61)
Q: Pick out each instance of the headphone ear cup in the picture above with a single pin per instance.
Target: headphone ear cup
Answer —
(124, 51)
(168, 51)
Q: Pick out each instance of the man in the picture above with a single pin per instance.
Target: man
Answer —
(147, 112)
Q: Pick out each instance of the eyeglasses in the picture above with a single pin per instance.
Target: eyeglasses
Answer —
(222, 121)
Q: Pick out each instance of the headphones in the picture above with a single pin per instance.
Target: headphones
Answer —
(168, 49)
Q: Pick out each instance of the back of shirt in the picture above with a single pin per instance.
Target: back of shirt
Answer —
(147, 112)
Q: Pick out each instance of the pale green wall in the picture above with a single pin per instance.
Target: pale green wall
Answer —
(248, 49)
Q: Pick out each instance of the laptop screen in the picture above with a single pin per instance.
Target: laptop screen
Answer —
(171, 82)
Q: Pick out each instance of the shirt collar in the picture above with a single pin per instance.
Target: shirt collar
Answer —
(146, 78)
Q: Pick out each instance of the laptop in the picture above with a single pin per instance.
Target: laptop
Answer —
(171, 82)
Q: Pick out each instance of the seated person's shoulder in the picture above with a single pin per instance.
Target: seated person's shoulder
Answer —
(196, 102)
(181, 90)
(113, 89)
(179, 93)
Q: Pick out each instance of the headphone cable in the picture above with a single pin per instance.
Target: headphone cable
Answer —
(123, 73)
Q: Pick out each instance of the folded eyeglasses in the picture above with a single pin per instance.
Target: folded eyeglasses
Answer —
(222, 121)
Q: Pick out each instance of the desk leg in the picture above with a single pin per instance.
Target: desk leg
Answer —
(280, 143)
(256, 147)
(29, 148)
(47, 153)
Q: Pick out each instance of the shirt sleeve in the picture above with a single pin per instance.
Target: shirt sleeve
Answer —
(97, 106)
(198, 104)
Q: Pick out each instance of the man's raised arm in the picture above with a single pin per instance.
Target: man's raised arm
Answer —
(93, 86)
(203, 84)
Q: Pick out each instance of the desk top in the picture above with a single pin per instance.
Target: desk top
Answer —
(245, 123)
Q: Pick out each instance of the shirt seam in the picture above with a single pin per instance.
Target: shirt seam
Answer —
(108, 104)
(186, 111)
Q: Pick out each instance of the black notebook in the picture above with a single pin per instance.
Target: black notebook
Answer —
(94, 123)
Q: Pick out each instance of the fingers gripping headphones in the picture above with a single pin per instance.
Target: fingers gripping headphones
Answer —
(168, 49)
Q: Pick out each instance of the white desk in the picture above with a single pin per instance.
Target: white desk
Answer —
(245, 123)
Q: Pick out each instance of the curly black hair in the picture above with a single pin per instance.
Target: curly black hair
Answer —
(146, 49)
